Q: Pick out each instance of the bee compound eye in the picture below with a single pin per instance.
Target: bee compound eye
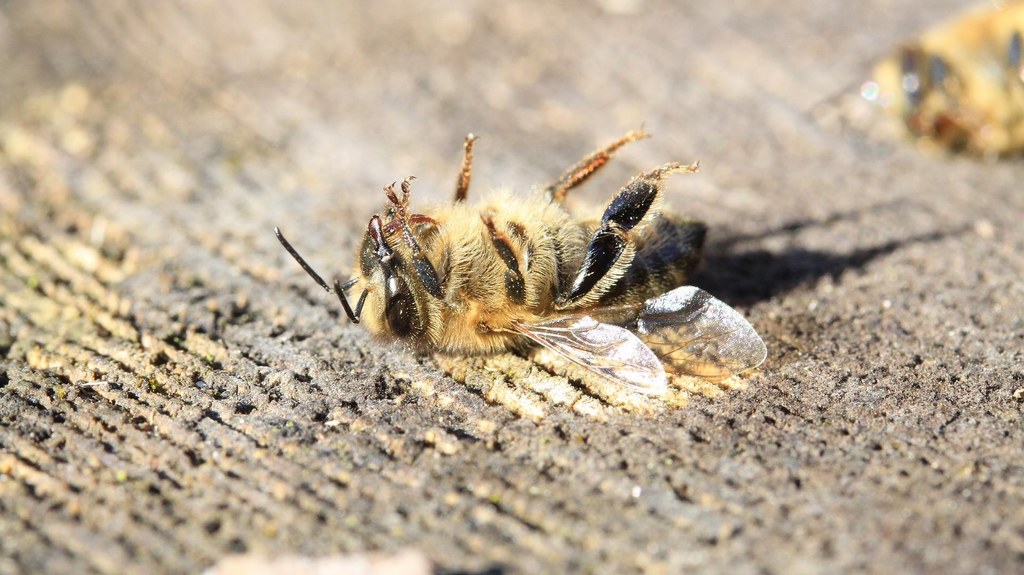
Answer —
(367, 256)
(400, 309)
(402, 315)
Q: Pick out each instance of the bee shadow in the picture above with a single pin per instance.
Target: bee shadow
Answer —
(749, 277)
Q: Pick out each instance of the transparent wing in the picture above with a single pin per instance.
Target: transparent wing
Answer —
(605, 349)
(695, 334)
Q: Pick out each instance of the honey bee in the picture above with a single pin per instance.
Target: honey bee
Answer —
(960, 86)
(514, 272)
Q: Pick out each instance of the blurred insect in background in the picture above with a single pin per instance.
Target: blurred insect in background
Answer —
(513, 272)
(960, 86)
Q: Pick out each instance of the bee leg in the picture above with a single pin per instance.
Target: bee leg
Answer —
(424, 269)
(666, 256)
(1013, 57)
(911, 78)
(586, 167)
(604, 253)
(415, 220)
(611, 248)
(466, 173)
(515, 286)
(938, 71)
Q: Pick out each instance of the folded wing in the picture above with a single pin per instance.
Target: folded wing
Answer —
(695, 334)
(685, 331)
(608, 350)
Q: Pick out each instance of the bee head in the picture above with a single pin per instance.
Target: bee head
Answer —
(400, 287)
(393, 303)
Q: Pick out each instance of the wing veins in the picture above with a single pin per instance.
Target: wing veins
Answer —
(637, 366)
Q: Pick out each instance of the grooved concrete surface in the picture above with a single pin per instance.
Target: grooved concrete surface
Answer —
(173, 389)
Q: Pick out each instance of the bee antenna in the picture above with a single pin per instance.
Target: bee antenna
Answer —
(339, 287)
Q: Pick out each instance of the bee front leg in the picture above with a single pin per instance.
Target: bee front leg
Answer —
(466, 173)
(588, 166)
(611, 248)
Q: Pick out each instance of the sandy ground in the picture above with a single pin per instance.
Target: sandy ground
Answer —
(174, 390)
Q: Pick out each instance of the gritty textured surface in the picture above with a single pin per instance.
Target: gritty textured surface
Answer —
(173, 389)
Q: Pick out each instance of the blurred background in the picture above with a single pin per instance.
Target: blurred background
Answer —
(147, 150)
